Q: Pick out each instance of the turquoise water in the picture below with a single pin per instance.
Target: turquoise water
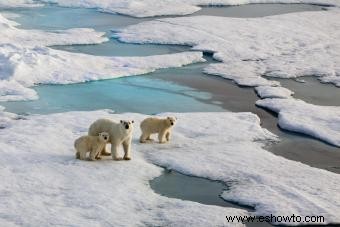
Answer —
(142, 94)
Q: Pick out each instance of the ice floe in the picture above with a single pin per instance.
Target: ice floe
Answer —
(39, 171)
(18, 3)
(273, 92)
(322, 122)
(5, 118)
(10, 34)
(148, 8)
(286, 46)
(26, 61)
(43, 184)
(23, 67)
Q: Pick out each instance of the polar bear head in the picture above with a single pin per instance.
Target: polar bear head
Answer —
(104, 136)
(170, 121)
(127, 125)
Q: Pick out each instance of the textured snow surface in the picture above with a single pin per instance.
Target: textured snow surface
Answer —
(5, 118)
(25, 60)
(273, 92)
(148, 8)
(322, 122)
(42, 183)
(18, 3)
(286, 46)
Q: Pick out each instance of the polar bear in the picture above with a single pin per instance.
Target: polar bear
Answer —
(120, 134)
(154, 125)
(92, 144)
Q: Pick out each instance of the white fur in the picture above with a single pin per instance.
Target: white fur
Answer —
(92, 144)
(119, 135)
(154, 125)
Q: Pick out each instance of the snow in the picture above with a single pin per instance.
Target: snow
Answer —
(26, 61)
(321, 122)
(23, 68)
(18, 3)
(30, 38)
(149, 8)
(273, 92)
(42, 183)
(286, 46)
(5, 118)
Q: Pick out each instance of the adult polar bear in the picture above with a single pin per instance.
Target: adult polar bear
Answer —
(120, 134)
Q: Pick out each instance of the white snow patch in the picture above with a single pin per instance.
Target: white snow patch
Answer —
(5, 118)
(11, 34)
(42, 184)
(38, 170)
(26, 61)
(149, 8)
(322, 122)
(22, 68)
(252, 47)
(273, 92)
(18, 3)
(229, 147)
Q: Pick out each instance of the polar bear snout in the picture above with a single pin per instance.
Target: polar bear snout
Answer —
(104, 136)
(127, 124)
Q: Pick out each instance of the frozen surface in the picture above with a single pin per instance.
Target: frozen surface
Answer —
(148, 8)
(273, 92)
(13, 35)
(25, 61)
(18, 3)
(107, 192)
(228, 147)
(39, 171)
(5, 118)
(250, 48)
(322, 122)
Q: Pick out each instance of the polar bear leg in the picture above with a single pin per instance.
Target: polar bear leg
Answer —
(127, 149)
(94, 153)
(77, 155)
(114, 152)
(167, 135)
(104, 152)
(161, 135)
(82, 154)
(144, 137)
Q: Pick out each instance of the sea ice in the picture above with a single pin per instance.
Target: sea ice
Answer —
(149, 8)
(286, 46)
(26, 61)
(322, 122)
(273, 92)
(42, 183)
(38, 170)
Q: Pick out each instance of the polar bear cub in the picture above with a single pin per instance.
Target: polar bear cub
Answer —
(120, 134)
(154, 125)
(92, 144)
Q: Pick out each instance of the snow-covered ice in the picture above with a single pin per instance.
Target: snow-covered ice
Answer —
(5, 118)
(322, 122)
(25, 67)
(26, 61)
(13, 35)
(18, 3)
(273, 92)
(287, 46)
(148, 8)
(43, 184)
